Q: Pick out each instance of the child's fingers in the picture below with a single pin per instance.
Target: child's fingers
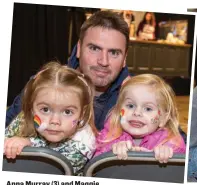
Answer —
(19, 149)
(14, 151)
(168, 153)
(8, 147)
(171, 153)
(12, 147)
(129, 145)
(163, 153)
(156, 150)
(122, 150)
(119, 150)
(5, 146)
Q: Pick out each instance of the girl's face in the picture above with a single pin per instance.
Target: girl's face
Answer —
(59, 110)
(142, 114)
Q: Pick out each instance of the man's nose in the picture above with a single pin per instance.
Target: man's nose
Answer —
(55, 119)
(103, 59)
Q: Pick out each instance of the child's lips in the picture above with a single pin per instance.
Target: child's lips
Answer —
(136, 123)
(53, 132)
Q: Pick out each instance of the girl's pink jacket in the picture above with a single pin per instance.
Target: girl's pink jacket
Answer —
(150, 141)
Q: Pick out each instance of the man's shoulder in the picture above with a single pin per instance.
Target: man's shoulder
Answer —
(73, 61)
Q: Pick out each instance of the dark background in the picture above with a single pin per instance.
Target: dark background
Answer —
(44, 32)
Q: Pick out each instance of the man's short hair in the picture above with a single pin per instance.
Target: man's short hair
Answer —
(108, 20)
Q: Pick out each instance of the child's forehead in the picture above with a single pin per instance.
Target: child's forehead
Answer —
(57, 98)
(57, 91)
(140, 88)
(141, 93)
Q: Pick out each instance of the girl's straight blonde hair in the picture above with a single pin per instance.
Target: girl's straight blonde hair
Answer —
(165, 97)
(53, 73)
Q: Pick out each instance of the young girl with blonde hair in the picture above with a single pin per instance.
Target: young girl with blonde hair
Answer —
(145, 118)
(57, 112)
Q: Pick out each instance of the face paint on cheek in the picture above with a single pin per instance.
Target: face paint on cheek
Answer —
(155, 120)
(38, 124)
(122, 116)
(42, 127)
(74, 123)
(37, 121)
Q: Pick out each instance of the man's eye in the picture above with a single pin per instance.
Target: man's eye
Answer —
(68, 112)
(94, 48)
(114, 53)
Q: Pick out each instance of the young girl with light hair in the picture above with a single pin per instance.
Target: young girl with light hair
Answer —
(57, 112)
(145, 118)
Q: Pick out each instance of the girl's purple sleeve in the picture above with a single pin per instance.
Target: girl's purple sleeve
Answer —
(104, 146)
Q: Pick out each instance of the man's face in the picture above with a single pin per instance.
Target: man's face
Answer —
(102, 55)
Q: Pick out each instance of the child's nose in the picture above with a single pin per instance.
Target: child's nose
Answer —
(137, 112)
(55, 119)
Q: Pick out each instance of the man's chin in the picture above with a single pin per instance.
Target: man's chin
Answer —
(101, 83)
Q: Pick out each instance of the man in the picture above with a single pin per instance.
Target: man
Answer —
(100, 54)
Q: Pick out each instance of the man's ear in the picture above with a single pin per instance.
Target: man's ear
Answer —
(78, 48)
(125, 58)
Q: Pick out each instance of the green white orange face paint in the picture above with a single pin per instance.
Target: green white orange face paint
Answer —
(122, 116)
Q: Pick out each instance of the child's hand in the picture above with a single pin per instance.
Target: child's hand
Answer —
(14, 145)
(163, 153)
(121, 148)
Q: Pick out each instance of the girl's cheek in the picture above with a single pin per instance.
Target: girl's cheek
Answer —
(122, 116)
(156, 119)
(39, 123)
(74, 123)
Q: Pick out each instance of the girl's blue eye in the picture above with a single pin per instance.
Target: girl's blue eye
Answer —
(148, 109)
